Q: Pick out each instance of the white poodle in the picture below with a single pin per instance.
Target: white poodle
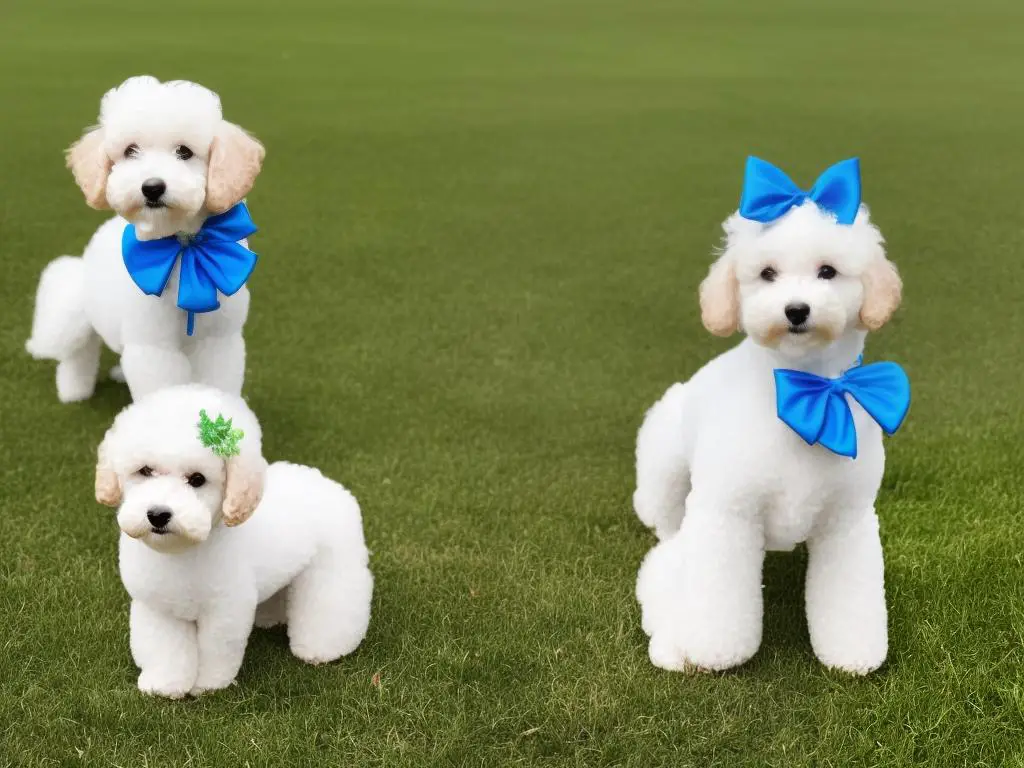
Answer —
(721, 477)
(166, 161)
(184, 479)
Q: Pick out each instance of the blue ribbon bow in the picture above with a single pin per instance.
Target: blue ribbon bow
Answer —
(815, 407)
(211, 260)
(768, 193)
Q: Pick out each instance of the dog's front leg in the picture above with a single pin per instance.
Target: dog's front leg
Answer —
(164, 649)
(224, 630)
(845, 594)
(149, 367)
(219, 361)
(701, 591)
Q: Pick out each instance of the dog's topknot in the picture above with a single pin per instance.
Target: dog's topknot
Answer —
(145, 93)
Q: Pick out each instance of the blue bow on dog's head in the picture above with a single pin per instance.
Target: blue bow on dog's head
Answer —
(768, 193)
(212, 260)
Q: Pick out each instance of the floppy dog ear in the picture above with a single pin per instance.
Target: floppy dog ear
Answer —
(108, 484)
(90, 165)
(243, 490)
(235, 162)
(883, 291)
(720, 300)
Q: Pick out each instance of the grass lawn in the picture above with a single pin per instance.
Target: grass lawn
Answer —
(482, 228)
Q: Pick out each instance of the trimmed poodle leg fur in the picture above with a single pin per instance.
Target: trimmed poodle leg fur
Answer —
(662, 469)
(148, 368)
(76, 373)
(845, 596)
(164, 649)
(329, 607)
(700, 593)
(220, 362)
(223, 631)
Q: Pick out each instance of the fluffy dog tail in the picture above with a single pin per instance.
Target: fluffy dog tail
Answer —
(60, 326)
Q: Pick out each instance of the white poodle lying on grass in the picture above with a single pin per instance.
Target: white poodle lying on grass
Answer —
(150, 279)
(181, 462)
(756, 451)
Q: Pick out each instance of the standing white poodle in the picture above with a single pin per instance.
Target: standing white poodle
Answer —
(777, 441)
(176, 172)
(185, 468)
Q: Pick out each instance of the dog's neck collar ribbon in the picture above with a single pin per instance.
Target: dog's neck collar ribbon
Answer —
(768, 193)
(212, 260)
(815, 407)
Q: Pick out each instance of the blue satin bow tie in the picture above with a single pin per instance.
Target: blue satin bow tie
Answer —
(211, 260)
(768, 193)
(816, 409)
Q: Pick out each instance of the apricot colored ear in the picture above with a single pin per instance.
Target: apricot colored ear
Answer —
(90, 165)
(235, 162)
(108, 484)
(883, 291)
(719, 299)
(244, 488)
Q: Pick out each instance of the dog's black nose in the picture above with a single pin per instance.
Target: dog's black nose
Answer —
(153, 189)
(797, 313)
(158, 516)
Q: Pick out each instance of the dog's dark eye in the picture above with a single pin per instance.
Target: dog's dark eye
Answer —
(146, 471)
(184, 153)
(827, 272)
(768, 274)
(132, 150)
(196, 480)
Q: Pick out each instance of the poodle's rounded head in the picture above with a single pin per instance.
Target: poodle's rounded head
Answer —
(170, 486)
(800, 283)
(163, 157)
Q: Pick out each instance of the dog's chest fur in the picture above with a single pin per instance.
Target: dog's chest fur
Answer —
(747, 460)
(176, 584)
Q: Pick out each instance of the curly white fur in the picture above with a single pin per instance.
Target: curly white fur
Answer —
(82, 302)
(199, 579)
(721, 479)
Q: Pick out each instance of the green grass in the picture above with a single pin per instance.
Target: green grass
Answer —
(482, 227)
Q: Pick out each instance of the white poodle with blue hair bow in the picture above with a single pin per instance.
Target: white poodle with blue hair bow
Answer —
(779, 440)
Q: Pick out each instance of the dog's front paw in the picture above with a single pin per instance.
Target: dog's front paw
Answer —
(160, 683)
(210, 683)
(856, 647)
(665, 655)
(855, 655)
(677, 652)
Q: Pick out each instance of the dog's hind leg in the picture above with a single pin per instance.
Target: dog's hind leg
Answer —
(329, 607)
(61, 330)
(76, 373)
(662, 468)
